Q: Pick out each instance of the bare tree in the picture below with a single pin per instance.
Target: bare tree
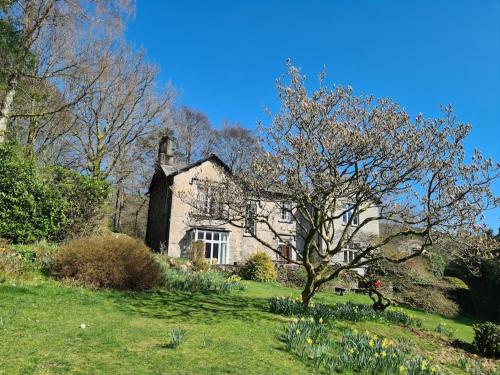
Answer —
(344, 163)
(236, 145)
(52, 44)
(123, 107)
(193, 134)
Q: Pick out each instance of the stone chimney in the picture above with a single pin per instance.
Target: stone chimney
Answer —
(165, 151)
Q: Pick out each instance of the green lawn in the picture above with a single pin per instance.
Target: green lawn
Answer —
(126, 332)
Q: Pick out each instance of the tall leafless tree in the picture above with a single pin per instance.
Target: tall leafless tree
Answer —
(236, 145)
(54, 44)
(193, 134)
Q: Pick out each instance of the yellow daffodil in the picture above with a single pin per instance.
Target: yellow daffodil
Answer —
(385, 343)
(302, 319)
(376, 355)
(383, 354)
(375, 337)
(309, 341)
(320, 320)
(402, 369)
(297, 332)
(350, 351)
(355, 331)
(371, 343)
(433, 369)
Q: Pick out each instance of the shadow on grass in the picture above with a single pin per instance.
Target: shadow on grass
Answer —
(199, 307)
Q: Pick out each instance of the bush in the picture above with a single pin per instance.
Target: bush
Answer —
(30, 209)
(117, 262)
(259, 267)
(487, 339)
(85, 197)
(205, 282)
(437, 264)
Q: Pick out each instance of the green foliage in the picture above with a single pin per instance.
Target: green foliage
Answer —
(52, 204)
(205, 282)
(176, 336)
(116, 262)
(482, 299)
(259, 267)
(18, 260)
(437, 264)
(85, 196)
(354, 312)
(444, 329)
(30, 209)
(487, 339)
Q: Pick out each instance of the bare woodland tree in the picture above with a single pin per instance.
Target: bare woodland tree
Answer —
(53, 41)
(334, 155)
(123, 107)
(236, 145)
(193, 134)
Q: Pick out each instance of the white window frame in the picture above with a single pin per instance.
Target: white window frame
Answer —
(348, 254)
(348, 213)
(222, 241)
(286, 211)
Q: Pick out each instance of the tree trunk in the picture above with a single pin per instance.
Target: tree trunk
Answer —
(309, 290)
(30, 141)
(6, 109)
(117, 217)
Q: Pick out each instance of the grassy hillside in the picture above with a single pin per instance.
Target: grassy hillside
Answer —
(125, 333)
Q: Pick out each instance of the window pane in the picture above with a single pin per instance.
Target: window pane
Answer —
(216, 236)
(215, 253)
(346, 260)
(208, 236)
(208, 250)
(200, 235)
(224, 237)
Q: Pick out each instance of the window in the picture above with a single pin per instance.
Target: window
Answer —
(216, 245)
(250, 223)
(348, 214)
(286, 212)
(349, 256)
(207, 203)
(285, 252)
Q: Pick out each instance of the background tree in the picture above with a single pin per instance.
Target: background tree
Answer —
(236, 145)
(52, 41)
(193, 134)
(124, 106)
(335, 155)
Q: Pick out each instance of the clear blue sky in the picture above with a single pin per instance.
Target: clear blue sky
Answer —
(224, 56)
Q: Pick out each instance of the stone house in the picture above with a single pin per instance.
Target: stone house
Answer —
(171, 228)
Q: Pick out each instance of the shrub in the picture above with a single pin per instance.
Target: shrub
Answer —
(29, 208)
(437, 264)
(259, 267)
(85, 197)
(176, 336)
(487, 339)
(205, 282)
(117, 262)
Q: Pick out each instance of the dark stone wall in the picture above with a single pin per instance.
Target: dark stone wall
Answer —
(158, 212)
